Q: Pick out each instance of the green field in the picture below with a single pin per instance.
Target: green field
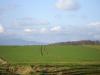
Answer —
(51, 54)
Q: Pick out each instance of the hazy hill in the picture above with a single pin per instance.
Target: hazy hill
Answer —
(81, 42)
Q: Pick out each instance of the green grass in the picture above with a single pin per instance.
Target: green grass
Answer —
(51, 54)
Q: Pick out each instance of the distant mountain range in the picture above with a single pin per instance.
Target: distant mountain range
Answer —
(19, 42)
(23, 42)
(81, 42)
(12, 39)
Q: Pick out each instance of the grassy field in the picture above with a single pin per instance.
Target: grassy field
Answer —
(51, 54)
(50, 60)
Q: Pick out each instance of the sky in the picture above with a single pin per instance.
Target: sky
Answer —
(50, 21)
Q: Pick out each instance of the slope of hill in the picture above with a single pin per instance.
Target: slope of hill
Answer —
(81, 42)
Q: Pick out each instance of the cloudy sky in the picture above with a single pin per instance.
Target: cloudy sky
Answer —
(50, 20)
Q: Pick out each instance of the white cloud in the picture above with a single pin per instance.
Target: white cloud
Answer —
(26, 21)
(1, 29)
(95, 24)
(67, 5)
(28, 30)
(43, 30)
(56, 29)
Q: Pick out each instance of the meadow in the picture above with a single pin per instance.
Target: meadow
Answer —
(51, 54)
(50, 60)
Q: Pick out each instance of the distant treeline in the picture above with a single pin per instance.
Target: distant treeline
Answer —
(81, 42)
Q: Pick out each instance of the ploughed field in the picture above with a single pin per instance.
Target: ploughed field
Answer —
(51, 54)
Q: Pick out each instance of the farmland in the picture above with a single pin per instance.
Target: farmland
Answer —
(51, 54)
(68, 59)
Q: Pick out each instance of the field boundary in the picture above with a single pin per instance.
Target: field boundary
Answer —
(60, 63)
